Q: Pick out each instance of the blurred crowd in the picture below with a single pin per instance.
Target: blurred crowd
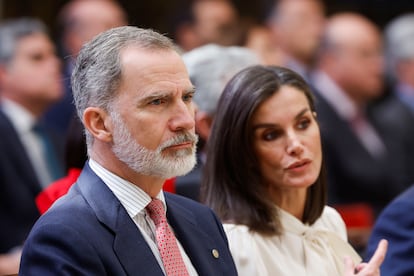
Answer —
(361, 76)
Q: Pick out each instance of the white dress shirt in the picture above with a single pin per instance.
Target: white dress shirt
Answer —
(134, 200)
(315, 250)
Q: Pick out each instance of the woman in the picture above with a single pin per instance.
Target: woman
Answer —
(265, 179)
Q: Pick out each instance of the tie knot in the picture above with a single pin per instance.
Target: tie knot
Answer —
(156, 210)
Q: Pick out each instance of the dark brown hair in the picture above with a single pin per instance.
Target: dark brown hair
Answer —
(232, 184)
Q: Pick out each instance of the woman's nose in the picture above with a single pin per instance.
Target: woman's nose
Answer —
(294, 146)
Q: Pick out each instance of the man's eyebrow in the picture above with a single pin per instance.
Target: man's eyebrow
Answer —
(164, 94)
(154, 96)
(192, 89)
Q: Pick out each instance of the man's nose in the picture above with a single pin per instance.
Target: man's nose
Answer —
(183, 117)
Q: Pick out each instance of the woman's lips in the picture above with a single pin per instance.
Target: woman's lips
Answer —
(299, 165)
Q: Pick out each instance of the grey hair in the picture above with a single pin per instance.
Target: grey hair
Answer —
(210, 68)
(97, 73)
(12, 31)
(399, 40)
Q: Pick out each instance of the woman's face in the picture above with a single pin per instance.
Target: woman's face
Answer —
(287, 140)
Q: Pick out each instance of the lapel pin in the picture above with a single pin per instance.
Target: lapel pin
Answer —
(215, 253)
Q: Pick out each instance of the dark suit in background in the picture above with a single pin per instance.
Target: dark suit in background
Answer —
(18, 189)
(30, 82)
(364, 153)
(354, 174)
(395, 120)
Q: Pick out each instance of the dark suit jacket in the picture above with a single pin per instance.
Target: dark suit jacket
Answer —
(18, 188)
(88, 232)
(396, 224)
(396, 121)
(353, 174)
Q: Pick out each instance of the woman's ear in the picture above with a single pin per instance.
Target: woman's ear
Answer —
(99, 123)
(314, 114)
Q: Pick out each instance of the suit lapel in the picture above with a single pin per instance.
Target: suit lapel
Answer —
(131, 248)
(129, 245)
(196, 243)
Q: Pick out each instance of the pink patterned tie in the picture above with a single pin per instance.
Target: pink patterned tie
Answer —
(167, 245)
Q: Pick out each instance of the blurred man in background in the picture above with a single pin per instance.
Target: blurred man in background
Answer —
(364, 155)
(80, 20)
(297, 27)
(31, 154)
(200, 22)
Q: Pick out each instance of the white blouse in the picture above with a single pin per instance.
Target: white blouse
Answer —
(300, 250)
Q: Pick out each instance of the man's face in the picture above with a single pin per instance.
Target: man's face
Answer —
(299, 28)
(359, 61)
(33, 76)
(216, 22)
(153, 116)
(89, 19)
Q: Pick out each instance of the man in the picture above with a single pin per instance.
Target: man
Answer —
(399, 42)
(80, 21)
(134, 96)
(397, 108)
(297, 27)
(395, 222)
(363, 154)
(206, 21)
(31, 155)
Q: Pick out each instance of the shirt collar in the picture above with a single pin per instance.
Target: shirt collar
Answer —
(21, 119)
(133, 198)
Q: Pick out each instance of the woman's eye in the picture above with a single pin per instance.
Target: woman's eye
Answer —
(304, 123)
(270, 135)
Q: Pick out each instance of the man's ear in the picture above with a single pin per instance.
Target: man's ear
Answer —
(203, 123)
(99, 123)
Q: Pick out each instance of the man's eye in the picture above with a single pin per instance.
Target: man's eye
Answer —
(37, 57)
(156, 102)
(188, 97)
